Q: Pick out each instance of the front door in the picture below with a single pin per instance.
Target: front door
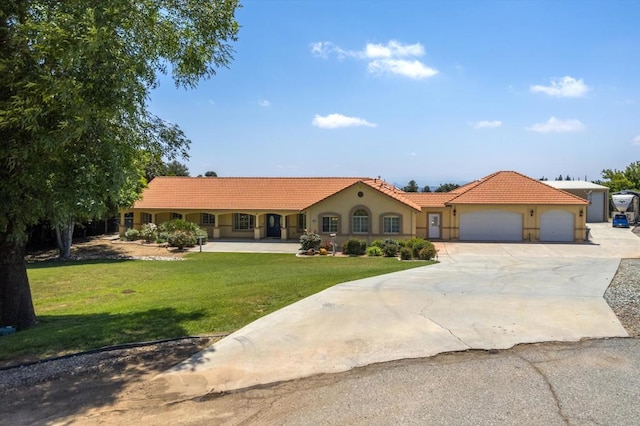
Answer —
(434, 226)
(273, 226)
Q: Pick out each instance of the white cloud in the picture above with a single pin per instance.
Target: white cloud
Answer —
(334, 121)
(413, 154)
(565, 87)
(412, 69)
(391, 58)
(393, 49)
(636, 140)
(485, 124)
(264, 103)
(557, 125)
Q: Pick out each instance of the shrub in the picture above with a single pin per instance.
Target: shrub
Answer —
(354, 247)
(374, 251)
(377, 243)
(310, 240)
(182, 239)
(428, 252)
(405, 253)
(390, 247)
(179, 225)
(132, 234)
(149, 232)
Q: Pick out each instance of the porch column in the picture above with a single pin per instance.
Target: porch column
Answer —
(216, 227)
(256, 228)
(283, 227)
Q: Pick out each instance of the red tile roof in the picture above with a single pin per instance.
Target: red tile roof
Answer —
(299, 193)
(512, 188)
(250, 193)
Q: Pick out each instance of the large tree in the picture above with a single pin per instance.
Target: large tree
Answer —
(75, 79)
(617, 180)
(412, 186)
(446, 187)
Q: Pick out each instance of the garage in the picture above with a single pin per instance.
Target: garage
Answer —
(557, 226)
(595, 210)
(491, 225)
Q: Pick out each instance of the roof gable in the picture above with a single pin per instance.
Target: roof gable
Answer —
(508, 187)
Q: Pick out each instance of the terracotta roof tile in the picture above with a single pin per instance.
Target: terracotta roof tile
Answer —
(246, 193)
(429, 199)
(509, 187)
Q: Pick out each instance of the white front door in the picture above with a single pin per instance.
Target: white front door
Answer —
(434, 225)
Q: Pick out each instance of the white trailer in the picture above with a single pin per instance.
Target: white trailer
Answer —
(627, 202)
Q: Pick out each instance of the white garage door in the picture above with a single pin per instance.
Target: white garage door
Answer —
(556, 225)
(491, 225)
(595, 210)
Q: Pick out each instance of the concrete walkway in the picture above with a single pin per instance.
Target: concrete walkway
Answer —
(481, 296)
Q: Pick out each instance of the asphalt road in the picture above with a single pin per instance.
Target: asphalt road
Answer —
(593, 382)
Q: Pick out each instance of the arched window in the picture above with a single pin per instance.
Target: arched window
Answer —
(360, 221)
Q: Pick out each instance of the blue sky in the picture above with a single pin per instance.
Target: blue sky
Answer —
(435, 91)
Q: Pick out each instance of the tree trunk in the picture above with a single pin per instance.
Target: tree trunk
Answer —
(64, 235)
(16, 306)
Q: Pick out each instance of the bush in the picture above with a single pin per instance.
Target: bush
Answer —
(179, 225)
(182, 239)
(149, 232)
(132, 234)
(390, 247)
(428, 252)
(405, 253)
(374, 251)
(354, 247)
(377, 243)
(310, 240)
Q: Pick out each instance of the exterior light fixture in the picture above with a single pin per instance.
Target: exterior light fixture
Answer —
(581, 212)
(454, 211)
(531, 212)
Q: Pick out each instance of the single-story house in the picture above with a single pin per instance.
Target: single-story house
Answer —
(596, 195)
(504, 206)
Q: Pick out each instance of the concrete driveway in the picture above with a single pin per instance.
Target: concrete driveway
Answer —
(481, 296)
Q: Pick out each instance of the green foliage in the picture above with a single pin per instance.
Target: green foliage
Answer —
(354, 247)
(176, 168)
(428, 252)
(618, 180)
(426, 188)
(132, 234)
(181, 233)
(446, 187)
(374, 251)
(310, 240)
(377, 243)
(405, 253)
(211, 173)
(390, 247)
(412, 186)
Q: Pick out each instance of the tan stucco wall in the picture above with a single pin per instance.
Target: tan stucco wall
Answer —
(378, 205)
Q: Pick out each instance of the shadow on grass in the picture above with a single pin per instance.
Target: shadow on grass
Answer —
(55, 263)
(51, 391)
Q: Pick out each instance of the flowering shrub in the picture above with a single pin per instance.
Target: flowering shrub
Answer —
(132, 234)
(181, 233)
(182, 239)
(149, 232)
(310, 240)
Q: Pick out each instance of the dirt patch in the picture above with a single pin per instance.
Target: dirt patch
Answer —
(107, 247)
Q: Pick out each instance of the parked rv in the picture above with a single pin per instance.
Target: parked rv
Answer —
(626, 202)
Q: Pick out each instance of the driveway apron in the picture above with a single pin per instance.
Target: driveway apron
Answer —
(480, 296)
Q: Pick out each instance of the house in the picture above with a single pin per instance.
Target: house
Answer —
(504, 206)
(596, 195)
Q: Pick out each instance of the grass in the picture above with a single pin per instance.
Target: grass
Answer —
(84, 305)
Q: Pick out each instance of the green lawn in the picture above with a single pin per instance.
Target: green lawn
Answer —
(89, 304)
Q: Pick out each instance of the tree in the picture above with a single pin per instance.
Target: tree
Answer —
(176, 168)
(446, 187)
(559, 177)
(211, 173)
(411, 187)
(426, 189)
(75, 79)
(617, 180)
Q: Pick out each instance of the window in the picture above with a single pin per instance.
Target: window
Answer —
(330, 224)
(243, 222)
(360, 221)
(176, 216)
(145, 217)
(208, 219)
(302, 222)
(391, 224)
